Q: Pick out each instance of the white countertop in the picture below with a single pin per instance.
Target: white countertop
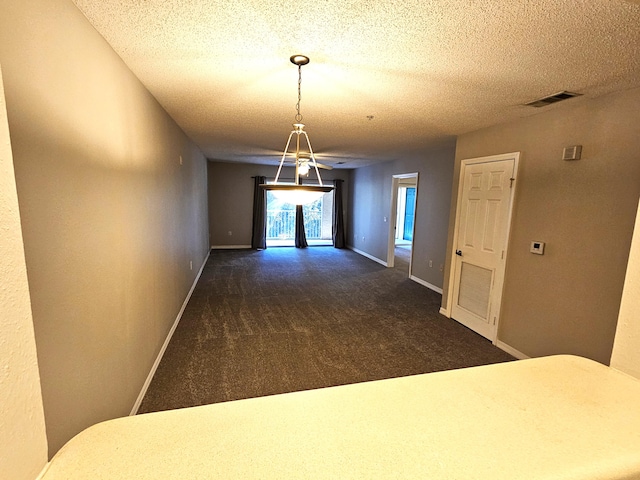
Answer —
(559, 417)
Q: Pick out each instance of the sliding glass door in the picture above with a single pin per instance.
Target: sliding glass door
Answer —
(281, 221)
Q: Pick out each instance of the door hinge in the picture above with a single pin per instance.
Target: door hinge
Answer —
(511, 180)
(494, 320)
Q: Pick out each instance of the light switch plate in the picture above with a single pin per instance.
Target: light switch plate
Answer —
(537, 248)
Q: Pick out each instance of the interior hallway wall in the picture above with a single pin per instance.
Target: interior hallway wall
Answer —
(111, 219)
(567, 300)
(371, 200)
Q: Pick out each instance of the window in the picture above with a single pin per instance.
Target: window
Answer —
(406, 213)
(409, 214)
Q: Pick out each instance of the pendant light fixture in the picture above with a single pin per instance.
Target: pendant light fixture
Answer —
(296, 192)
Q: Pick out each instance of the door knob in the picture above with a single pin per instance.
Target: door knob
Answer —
(459, 253)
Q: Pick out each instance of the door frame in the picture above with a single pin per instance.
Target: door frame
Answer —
(393, 218)
(515, 156)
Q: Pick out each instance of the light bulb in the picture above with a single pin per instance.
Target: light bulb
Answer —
(303, 169)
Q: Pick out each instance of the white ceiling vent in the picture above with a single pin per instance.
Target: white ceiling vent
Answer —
(556, 97)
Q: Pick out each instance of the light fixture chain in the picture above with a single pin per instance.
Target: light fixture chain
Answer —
(298, 115)
(297, 193)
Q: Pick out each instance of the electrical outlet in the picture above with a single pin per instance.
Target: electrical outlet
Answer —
(190, 265)
(229, 233)
(180, 159)
(430, 263)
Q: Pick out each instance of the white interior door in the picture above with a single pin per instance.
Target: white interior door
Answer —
(482, 226)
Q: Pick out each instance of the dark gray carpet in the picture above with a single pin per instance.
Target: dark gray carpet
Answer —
(285, 319)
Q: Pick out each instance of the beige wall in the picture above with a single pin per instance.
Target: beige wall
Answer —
(111, 219)
(567, 300)
(626, 348)
(231, 199)
(23, 438)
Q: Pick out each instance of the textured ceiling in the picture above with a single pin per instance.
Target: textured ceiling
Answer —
(425, 70)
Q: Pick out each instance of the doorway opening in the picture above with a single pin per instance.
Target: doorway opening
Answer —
(402, 221)
(281, 221)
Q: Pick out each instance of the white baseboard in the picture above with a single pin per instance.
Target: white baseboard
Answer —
(501, 345)
(365, 254)
(511, 351)
(230, 247)
(426, 284)
(147, 382)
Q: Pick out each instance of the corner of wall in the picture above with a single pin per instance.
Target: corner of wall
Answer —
(23, 440)
(626, 347)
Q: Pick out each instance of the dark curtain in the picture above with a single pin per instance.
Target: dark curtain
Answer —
(301, 237)
(338, 216)
(259, 233)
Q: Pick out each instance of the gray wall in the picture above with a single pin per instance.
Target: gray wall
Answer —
(111, 220)
(231, 198)
(567, 300)
(371, 202)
